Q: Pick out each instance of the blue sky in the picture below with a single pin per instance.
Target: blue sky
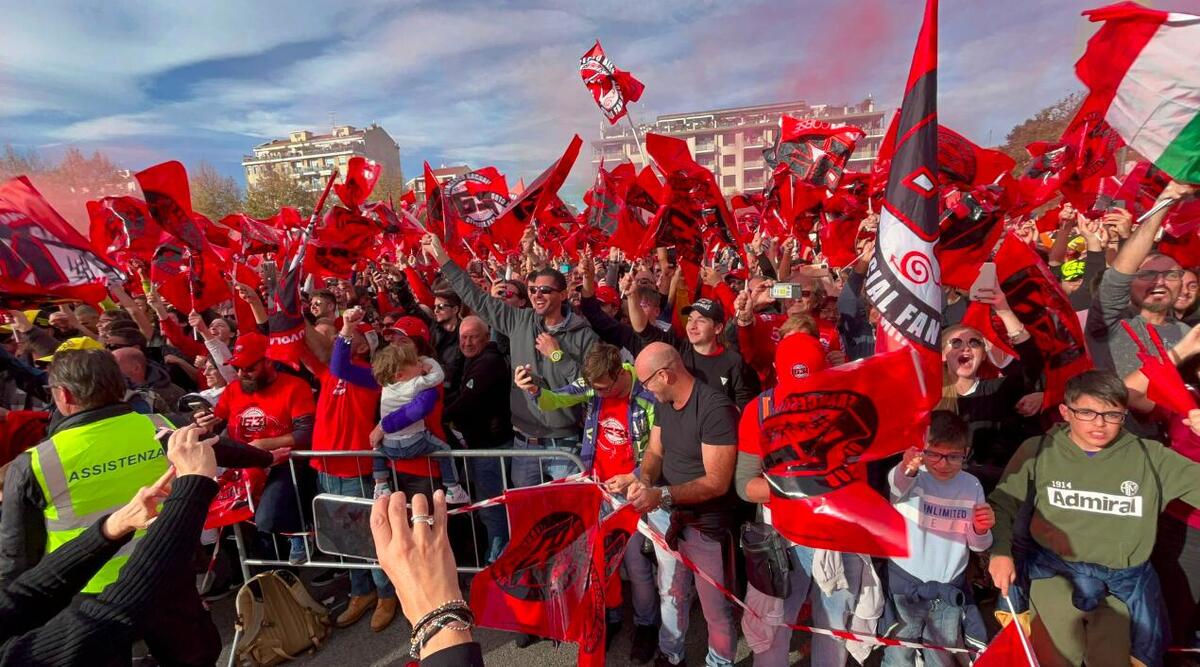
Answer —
(492, 82)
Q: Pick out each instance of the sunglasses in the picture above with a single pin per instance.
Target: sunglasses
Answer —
(117, 346)
(444, 306)
(543, 290)
(958, 343)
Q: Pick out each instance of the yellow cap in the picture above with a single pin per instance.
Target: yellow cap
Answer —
(77, 343)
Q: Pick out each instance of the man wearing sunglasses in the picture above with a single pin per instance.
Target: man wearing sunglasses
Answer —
(1094, 492)
(1140, 287)
(551, 341)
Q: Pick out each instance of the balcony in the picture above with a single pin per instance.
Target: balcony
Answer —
(706, 147)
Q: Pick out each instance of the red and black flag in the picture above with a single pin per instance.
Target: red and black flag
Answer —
(187, 279)
(435, 201)
(903, 280)
(816, 442)
(522, 211)
(169, 199)
(693, 191)
(961, 162)
(474, 201)
(121, 229)
(42, 257)
(257, 237)
(971, 228)
(612, 88)
(812, 151)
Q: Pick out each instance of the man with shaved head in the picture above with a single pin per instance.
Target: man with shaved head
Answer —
(150, 384)
(685, 488)
(480, 413)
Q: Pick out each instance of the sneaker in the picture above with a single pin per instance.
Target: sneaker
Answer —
(381, 489)
(661, 660)
(326, 577)
(456, 495)
(299, 552)
(645, 643)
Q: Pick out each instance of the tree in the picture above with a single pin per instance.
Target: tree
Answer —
(214, 194)
(1045, 125)
(274, 190)
(20, 163)
(389, 188)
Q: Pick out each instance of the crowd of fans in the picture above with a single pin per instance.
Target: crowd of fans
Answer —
(1080, 512)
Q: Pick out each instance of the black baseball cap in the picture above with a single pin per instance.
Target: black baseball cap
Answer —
(708, 308)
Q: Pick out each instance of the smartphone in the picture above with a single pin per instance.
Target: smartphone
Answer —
(343, 525)
(785, 291)
(986, 280)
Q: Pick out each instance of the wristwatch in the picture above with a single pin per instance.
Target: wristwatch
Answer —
(665, 500)
(556, 356)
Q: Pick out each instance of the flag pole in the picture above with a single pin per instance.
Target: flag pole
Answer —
(1158, 206)
(482, 264)
(636, 139)
(1020, 633)
(312, 221)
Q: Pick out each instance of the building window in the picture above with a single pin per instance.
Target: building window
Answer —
(728, 160)
(729, 181)
(729, 138)
(341, 159)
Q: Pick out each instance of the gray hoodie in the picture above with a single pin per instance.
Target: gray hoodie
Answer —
(522, 327)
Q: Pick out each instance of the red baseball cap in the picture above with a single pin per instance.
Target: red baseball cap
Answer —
(412, 327)
(250, 349)
(608, 296)
(798, 356)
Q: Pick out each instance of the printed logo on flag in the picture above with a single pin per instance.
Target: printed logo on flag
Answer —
(551, 558)
(599, 72)
(473, 200)
(810, 439)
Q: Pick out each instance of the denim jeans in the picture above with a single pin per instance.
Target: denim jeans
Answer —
(771, 646)
(676, 583)
(642, 587)
(531, 471)
(362, 582)
(488, 480)
(411, 447)
(930, 621)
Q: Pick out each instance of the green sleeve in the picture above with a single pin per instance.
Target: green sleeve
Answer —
(549, 400)
(1010, 494)
(1180, 476)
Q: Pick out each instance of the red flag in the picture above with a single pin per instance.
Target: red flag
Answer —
(42, 257)
(693, 192)
(243, 273)
(238, 490)
(187, 279)
(903, 280)
(1184, 249)
(612, 88)
(121, 229)
(257, 237)
(961, 161)
(285, 318)
(286, 218)
(542, 583)
(813, 151)
(341, 240)
(838, 234)
(641, 195)
(971, 227)
(1007, 649)
(817, 441)
(475, 201)
(511, 223)
(361, 176)
(1038, 301)
(169, 199)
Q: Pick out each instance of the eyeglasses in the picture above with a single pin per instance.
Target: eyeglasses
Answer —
(938, 457)
(1086, 415)
(651, 376)
(117, 346)
(1151, 274)
(958, 343)
(543, 290)
(444, 306)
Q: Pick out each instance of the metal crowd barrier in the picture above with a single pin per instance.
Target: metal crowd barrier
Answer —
(318, 559)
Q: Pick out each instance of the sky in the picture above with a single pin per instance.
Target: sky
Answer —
(494, 82)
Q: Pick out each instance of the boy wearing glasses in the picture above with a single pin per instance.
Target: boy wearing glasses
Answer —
(947, 517)
(1092, 493)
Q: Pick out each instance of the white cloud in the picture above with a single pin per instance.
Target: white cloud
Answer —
(118, 126)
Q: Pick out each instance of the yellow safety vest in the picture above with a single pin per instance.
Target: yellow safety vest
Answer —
(92, 470)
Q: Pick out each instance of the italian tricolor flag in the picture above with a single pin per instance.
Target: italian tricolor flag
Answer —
(1143, 70)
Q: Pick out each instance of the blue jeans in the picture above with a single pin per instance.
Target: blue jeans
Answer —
(642, 587)
(676, 584)
(832, 612)
(930, 621)
(488, 480)
(411, 447)
(362, 582)
(531, 471)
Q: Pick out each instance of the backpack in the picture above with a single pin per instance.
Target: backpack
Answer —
(277, 619)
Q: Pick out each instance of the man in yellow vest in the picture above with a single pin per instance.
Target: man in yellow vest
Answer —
(98, 454)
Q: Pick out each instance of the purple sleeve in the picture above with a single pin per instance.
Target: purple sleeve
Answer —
(412, 412)
(343, 369)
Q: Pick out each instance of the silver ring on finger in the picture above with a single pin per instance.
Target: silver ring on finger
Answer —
(422, 518)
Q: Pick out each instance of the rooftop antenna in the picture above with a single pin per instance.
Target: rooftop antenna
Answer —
(332, 120)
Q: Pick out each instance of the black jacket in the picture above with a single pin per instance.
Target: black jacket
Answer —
(480, 410)
(22, 518)
(448, 355)
(35, 629)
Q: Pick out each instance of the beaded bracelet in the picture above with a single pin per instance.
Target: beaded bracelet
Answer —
(459, 605)
(448, 620)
